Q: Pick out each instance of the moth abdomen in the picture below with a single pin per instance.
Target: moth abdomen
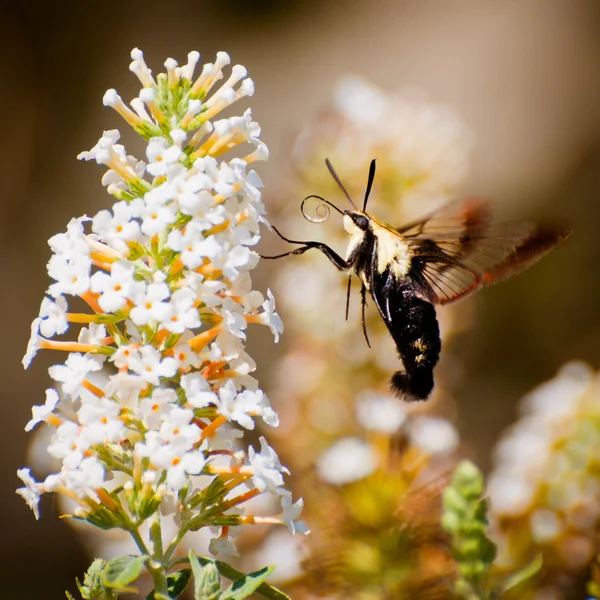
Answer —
(413, 325)
(419, 348)
(416, 386)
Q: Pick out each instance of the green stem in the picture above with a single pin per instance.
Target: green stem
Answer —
(156, 565)
(477, 591)
(179, 561)
(159, 577)
(139, 542)
(156, 537)
(176, 541)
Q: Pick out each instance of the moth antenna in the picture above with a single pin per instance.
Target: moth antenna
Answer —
(323, 211)
(337, 180)
(369, 184)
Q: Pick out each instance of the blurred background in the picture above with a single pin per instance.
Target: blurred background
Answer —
(523, 76)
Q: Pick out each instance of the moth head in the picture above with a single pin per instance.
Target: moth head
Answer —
(356, 219)
(353, 219)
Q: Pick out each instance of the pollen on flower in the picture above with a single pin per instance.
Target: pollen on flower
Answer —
(160, 382)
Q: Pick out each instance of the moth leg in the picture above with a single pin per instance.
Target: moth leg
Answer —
(296, 251)
(363, 301)
(348, 295)
(333, 256)
(284, 238)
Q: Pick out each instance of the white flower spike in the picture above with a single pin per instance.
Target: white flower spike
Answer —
(157, 384)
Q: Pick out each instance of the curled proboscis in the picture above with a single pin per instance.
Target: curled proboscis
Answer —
(322, 209)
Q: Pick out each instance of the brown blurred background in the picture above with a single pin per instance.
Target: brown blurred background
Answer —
(524, 75)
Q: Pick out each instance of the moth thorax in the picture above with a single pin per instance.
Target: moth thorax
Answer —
(356, 236)
(392, 252)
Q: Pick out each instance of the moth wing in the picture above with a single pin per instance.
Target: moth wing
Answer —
(454, 217)
(459, 254)
(442, 284)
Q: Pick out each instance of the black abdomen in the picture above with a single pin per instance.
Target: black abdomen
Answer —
(413, 324)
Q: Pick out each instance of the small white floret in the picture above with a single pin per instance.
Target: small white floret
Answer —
(347, 460)
(31, 492)
(151, 365)
(54, 316)
(34, 344)
(40, 413)
(151, 305)
(269, 317)
(378, 412)
(268, 471)
(290, 515)
(76, 369)
(433, 435)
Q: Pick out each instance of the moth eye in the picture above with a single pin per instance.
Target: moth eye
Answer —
(361, 221)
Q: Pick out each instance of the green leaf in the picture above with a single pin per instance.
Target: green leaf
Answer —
(521, 576)
(82, 589)
(214, 493)
(264, 589)
(246, 585)
(69, 596)
(93, 587)
(207, 582)
(177, 582)
(123, 570)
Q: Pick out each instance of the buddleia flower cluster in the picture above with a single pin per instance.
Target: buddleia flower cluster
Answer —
(152, 300)
(378, 510)
(545, 485)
